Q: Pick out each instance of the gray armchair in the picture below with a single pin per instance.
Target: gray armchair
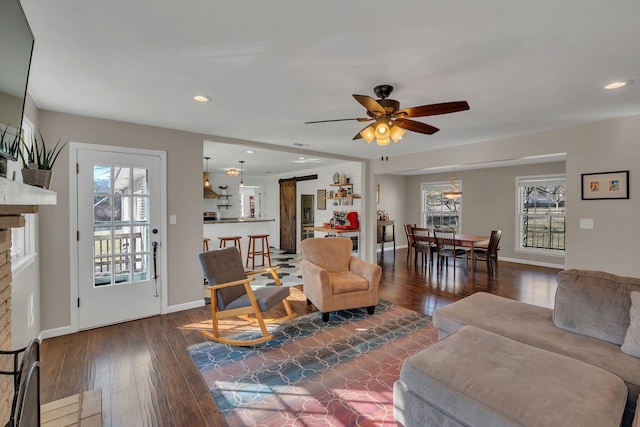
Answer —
(232, 295)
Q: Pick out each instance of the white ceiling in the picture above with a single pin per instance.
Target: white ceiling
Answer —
(270, 66)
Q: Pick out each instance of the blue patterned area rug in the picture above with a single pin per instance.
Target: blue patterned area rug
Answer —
(339, 373)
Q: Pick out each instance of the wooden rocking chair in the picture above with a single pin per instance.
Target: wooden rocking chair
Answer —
(232, 296)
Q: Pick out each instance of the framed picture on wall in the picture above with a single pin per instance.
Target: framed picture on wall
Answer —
(322, 200)
(605, 185)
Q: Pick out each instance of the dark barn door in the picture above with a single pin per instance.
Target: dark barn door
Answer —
(288, 209)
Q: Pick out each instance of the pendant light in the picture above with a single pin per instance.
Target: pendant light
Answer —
(452, 192)
(207, 183)
(241, 180)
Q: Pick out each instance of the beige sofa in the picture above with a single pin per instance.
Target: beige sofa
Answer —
(588, 323)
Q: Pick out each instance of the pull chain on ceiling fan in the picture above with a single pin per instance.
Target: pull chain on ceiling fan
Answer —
(391, 122)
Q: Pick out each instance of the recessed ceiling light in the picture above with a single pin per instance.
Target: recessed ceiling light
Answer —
(249, 151)
(201, 98)
(616, 85)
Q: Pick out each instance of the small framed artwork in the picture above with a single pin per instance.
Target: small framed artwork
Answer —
(322, 200)
(605, 185)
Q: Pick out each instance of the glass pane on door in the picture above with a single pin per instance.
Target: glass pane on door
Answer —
(121, 225)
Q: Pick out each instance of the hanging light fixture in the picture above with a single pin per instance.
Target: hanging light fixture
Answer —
(452, 192)
(207, 183)
(241, 180)
(233, 172)
(382, 131)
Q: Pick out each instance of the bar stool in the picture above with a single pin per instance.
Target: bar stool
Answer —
(205, 244)
(263, 251)
(234, 239)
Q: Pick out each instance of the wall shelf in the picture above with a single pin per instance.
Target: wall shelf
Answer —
(225, 199)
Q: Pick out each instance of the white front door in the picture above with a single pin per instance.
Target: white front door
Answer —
(119, 218)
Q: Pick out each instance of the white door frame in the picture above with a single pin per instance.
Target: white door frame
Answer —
(73, 220)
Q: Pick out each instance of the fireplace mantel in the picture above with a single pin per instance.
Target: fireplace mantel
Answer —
(14, 193)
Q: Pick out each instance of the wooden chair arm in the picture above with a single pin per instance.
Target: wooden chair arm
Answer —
(234, 283)
(265, 270)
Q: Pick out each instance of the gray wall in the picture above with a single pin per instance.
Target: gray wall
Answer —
(184, 199)
(609, 145)
(488, 203)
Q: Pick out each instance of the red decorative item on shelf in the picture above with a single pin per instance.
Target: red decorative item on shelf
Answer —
(352, 222)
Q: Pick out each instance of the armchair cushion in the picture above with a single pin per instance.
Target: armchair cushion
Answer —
(343, 282)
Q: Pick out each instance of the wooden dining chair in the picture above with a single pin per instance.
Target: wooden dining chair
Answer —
(423, 246)
(447, 248)
(489, 254)
(411, 244)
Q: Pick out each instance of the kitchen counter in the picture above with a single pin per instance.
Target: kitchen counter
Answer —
(235, 220)
(241, 227)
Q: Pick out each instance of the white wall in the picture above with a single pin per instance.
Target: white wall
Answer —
(325, 177)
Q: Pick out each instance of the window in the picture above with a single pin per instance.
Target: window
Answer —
(438, 211)
(23, 238)
(541, 213)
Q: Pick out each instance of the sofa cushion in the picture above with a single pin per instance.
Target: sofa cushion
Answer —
(594, 303)
(631, 344)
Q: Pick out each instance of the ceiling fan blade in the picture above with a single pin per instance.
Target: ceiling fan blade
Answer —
(360, 119)
(370, 104)
(415, 126)
(434, 109)
(358, 136)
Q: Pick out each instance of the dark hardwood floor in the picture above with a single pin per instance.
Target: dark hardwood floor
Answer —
(148, 379)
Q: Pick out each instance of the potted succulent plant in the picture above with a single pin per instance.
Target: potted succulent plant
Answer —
(38, 161)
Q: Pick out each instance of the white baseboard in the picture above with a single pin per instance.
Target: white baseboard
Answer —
(56, 332)
(185, 306)
(528, 262)
(65, 330)
(388, 246)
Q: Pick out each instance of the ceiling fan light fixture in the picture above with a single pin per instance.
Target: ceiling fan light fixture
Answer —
(453, 192)
(382, 141)
(368, 133)
(382, 130)
(397, 133)
(233, 172)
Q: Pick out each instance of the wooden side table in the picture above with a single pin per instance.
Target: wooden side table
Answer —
(386, 233)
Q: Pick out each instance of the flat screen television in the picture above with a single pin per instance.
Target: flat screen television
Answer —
(16, 48)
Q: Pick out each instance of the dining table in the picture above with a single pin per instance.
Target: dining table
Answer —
(468, 240)
(472, 241)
